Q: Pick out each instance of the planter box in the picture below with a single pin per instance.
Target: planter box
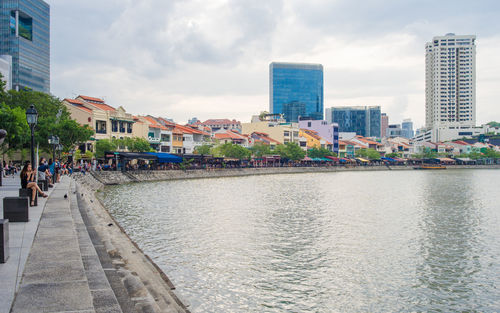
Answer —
(15, 209)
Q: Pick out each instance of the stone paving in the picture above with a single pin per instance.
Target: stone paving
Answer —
(61, 270)
(21, 237)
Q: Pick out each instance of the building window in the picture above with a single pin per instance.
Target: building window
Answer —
(114, 126)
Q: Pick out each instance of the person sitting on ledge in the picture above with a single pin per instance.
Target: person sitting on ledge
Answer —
(28, 177)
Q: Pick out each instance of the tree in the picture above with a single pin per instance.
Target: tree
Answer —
(53, 118)
(104, 145)
(493, 124)
(392, 155)
(231, 150)
(259, 150)
(369, 153)
(139, 144)
(290, 151)
(203, 149)
(318, 152)
(13, 120)
(490, 153)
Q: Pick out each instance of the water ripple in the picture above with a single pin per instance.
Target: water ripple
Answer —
(328, 242)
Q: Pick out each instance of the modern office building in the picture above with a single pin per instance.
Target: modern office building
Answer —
(362, 120)
(25, 35)
(384, 123)
(450, 81)
(394, 130)
(296, 89)
(407, 129)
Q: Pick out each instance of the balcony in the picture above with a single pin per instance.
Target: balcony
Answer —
(154, 140)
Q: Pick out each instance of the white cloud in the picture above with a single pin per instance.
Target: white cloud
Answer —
(210, 58)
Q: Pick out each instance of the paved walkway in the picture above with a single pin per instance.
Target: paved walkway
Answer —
(63, 272)
(21, 237)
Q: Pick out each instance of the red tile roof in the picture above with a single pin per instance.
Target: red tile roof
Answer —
(154, 123)
(229, 135)
(91, 99)
(78, 104)
(265, 137)
(221, 121)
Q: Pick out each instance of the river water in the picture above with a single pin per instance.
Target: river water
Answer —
(392, 241)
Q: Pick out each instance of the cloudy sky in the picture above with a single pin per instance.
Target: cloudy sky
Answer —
(210, 59)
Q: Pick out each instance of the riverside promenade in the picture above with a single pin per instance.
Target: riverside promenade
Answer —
(53, 264)
(63, 261)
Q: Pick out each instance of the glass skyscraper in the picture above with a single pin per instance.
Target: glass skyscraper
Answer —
(362, 120)
(296, 89)
(25, 35)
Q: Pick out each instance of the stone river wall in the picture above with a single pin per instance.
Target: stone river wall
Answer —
(116, 178)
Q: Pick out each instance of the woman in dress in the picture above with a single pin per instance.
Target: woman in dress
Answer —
(28, 177)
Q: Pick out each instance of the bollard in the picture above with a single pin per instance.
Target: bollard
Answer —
(4, 240)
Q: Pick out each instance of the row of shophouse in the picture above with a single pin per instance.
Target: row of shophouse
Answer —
(164, 135)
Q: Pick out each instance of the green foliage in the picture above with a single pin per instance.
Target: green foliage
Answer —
(259, 150)
(290, 151)
(493, 124)
(13, 120)
(138, 144)
(392, 155)
(369, 153)
(203, 149)
(231, 150)
(104, 145)
(319, 152)
(428, 153)
(53, 119)
(77, 155)
(88, 154)
(490, 153)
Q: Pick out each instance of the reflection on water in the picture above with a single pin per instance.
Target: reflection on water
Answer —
(326, 242)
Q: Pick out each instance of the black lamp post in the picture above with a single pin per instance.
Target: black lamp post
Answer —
(59, 149)
(32, 119)
(3, 134)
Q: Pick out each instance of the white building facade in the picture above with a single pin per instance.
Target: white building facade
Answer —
(450, 81)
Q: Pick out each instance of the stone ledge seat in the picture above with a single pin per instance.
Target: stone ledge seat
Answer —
(28, 193)
(4, 240)
(43, 184)
(16, 209)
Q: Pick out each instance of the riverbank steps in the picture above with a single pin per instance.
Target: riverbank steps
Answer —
(147, 286)
(100, 179)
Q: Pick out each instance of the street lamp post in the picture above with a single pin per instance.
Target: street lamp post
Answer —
(3, 134)
(59, 149)
(32, 119)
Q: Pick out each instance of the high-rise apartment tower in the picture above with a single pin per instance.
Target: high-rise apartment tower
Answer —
(25, 35)
(450, 81)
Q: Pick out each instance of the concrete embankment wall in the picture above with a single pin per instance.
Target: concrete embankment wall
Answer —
(115, 178)
(149, 288)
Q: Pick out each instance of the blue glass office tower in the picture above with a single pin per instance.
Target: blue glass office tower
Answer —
(362, 120)
(296, 89)
(25, 35)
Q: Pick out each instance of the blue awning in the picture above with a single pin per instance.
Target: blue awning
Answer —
(166, 157)
(388, 159)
